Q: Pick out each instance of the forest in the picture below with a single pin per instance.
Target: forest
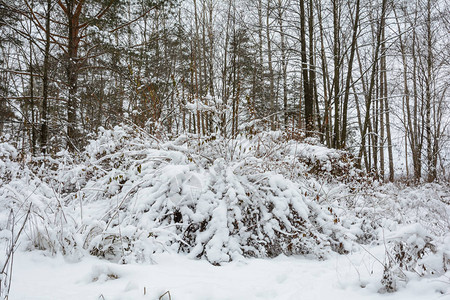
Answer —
(224, 131)
(370, 77)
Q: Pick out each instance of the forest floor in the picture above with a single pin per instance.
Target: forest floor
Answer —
(354, 276)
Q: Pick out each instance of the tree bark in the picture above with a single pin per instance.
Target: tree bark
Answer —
(283, 63)
(428, 97)
(349, 75)
(271, 74)
(44, 112)
(308, 96)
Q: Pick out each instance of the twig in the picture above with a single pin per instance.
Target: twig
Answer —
(372, 255)
(10, 253)
(121, 202)
(166, 293)
(134, 20)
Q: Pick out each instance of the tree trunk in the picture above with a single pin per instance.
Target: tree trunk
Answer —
(283, 64)
(428, 98)
(33, 119)
(44, 112)
(337, 71)
(225, 92)
(383, 97)
(312, 68)
(72, 13)
(325, 79)
(372, 83)
(308, 96)
(271, 75)
(349, 76)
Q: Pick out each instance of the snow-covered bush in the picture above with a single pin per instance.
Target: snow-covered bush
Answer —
(218, 199)
(12, 219)
(8, 165)
(130, 195)
(412, 251)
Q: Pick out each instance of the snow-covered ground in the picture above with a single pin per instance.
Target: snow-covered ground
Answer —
(134, 217)
(355, 276)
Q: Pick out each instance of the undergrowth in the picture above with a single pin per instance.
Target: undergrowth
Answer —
(130, 195)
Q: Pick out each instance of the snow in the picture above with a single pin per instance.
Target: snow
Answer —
(348, 277)
(198, 105)
(214, 219)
